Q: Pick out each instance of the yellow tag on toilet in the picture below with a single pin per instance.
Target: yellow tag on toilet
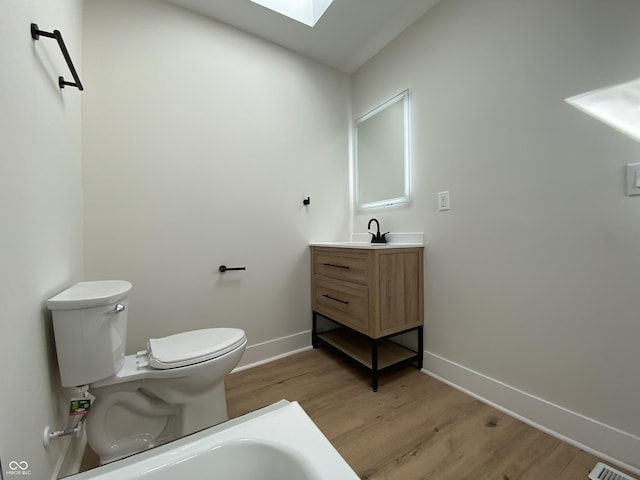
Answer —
(79, 406)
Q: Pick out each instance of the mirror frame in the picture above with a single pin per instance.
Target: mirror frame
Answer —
(404, 198)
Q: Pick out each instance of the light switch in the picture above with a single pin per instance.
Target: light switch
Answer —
(633, 179)
(443, 201)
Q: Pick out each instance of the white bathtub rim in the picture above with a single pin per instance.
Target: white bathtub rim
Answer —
(317, 448)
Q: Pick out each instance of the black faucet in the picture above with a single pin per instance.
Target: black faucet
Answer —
(377, 237)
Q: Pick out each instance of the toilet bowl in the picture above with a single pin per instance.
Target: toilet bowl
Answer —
(173, 388)
(142, 406)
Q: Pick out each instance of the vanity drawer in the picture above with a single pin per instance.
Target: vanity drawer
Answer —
(348, 265)
(347, 303)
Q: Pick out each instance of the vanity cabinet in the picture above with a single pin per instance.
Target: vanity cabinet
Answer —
(371, 294)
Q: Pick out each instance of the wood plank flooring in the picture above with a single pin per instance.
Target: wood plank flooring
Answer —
(414, 427)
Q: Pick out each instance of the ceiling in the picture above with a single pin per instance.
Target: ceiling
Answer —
(346, 36)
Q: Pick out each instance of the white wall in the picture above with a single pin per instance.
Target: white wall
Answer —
(532, 278)
(199, 144)
(41, 217)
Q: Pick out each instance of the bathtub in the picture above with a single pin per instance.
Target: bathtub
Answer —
(278, 442)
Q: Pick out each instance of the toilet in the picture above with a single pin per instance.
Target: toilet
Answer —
(173, 388)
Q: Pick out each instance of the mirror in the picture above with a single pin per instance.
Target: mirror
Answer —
(381, 153)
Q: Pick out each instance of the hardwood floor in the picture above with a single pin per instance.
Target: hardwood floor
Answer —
(414, 427)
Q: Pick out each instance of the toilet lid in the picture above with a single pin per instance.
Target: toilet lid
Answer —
(192, 347)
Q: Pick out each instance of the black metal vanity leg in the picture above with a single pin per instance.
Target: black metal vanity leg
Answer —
(374, 365)
(314, 331)
(420, 347)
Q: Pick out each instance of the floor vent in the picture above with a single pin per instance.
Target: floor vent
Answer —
(605, 472)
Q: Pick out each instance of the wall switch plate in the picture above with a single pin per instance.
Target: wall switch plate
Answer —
(443, 201)
(633, 179)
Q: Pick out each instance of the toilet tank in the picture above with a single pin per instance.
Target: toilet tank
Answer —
(90, 328)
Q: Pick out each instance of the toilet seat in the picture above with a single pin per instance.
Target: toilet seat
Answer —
(177, 355)
(195, 346)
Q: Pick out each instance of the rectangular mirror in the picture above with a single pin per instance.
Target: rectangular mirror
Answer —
(381, 153)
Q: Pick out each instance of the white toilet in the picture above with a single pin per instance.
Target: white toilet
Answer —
(173, 388)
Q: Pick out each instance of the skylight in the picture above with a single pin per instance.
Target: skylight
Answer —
(303, 11)
(617, 106)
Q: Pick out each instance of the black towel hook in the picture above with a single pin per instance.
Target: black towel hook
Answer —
(36, 33)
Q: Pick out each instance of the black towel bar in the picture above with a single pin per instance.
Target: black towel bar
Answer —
(35, 34)
(224, 268)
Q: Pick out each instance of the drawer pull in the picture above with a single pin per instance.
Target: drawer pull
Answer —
(336, 299)
(334, 265)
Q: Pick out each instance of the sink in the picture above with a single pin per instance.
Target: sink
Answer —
(365, 245)
(363, 240)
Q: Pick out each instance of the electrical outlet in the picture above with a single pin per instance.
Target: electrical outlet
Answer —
(443, 201)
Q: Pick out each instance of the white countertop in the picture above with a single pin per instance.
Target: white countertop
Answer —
(372, 246)
(363, 240)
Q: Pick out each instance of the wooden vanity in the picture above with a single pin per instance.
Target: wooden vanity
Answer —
(371, 293)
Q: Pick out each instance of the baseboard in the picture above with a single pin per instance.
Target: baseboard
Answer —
(271, 350)
(609, 443)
